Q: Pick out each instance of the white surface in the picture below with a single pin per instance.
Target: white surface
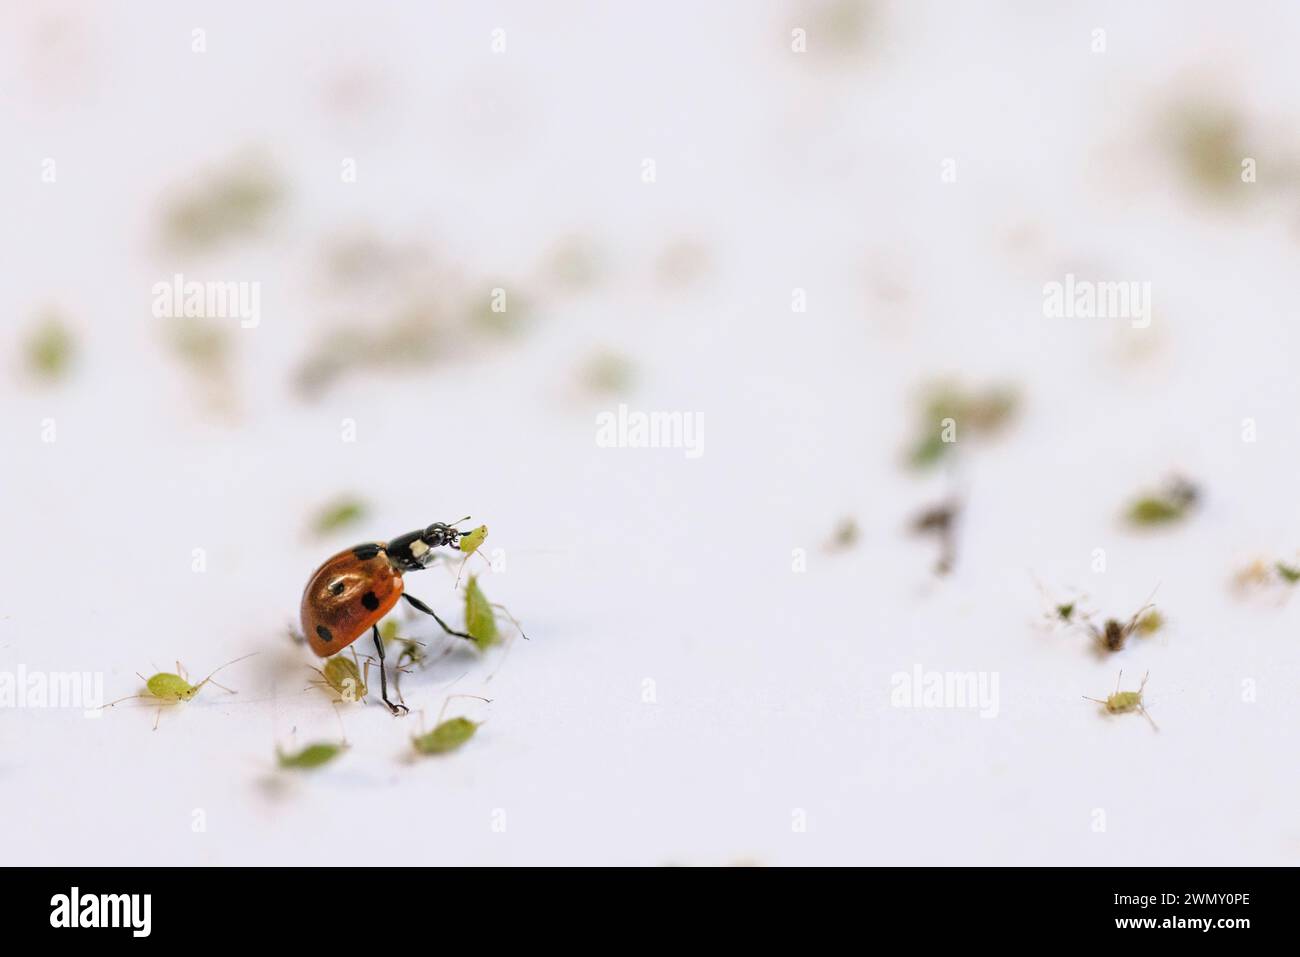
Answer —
(773, 687)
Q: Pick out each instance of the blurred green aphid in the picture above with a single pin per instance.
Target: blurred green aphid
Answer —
(1122, 702)
(1170, 504)
(447, 735)
(235, 200)
(344, 676)
(168, 689)
(1114, 633)
(1150, 623)
(311, 757)
(846, 535)
(607, 373)
(339, 514)
(982, 413)
(480, 620)
(50, 349)
(1288, 573)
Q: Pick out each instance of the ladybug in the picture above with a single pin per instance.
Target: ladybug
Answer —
(354, 589)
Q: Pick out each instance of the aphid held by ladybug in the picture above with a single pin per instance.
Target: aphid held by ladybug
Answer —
(353, 590)
(169, 689)
(1121, 702)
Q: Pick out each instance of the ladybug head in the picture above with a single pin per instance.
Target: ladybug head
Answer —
(439, 534)
(414, 550)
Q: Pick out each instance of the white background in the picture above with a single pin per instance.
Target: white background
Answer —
(818, 171)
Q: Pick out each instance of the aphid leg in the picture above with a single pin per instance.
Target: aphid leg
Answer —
(421, 606)
(383, 677)
(157, 717)
(1147, 715)
(448, 700)
(513, 620)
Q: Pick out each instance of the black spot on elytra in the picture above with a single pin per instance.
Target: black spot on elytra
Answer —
(370, 600)
(324, 633)
(366, 552)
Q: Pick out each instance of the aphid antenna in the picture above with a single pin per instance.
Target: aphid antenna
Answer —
(226, 665)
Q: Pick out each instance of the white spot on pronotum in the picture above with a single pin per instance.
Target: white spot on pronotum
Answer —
(418, 548)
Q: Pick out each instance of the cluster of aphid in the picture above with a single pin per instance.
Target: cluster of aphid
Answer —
(1109, 637)
(346, 597)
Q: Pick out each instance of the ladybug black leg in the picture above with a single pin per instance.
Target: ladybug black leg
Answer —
(421, 606)
(383, 678)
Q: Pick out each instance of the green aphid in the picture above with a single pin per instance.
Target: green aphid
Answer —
(50, 349)
(1288, 573)
(471, 540)
(977, 412)
(480, 619)
(1150, 623)
(1169, 505)
(447, 736)
(1122, 702)
(1065, 612)
(169, 689)
(344, 676)
(339, 514)
(311, 757)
